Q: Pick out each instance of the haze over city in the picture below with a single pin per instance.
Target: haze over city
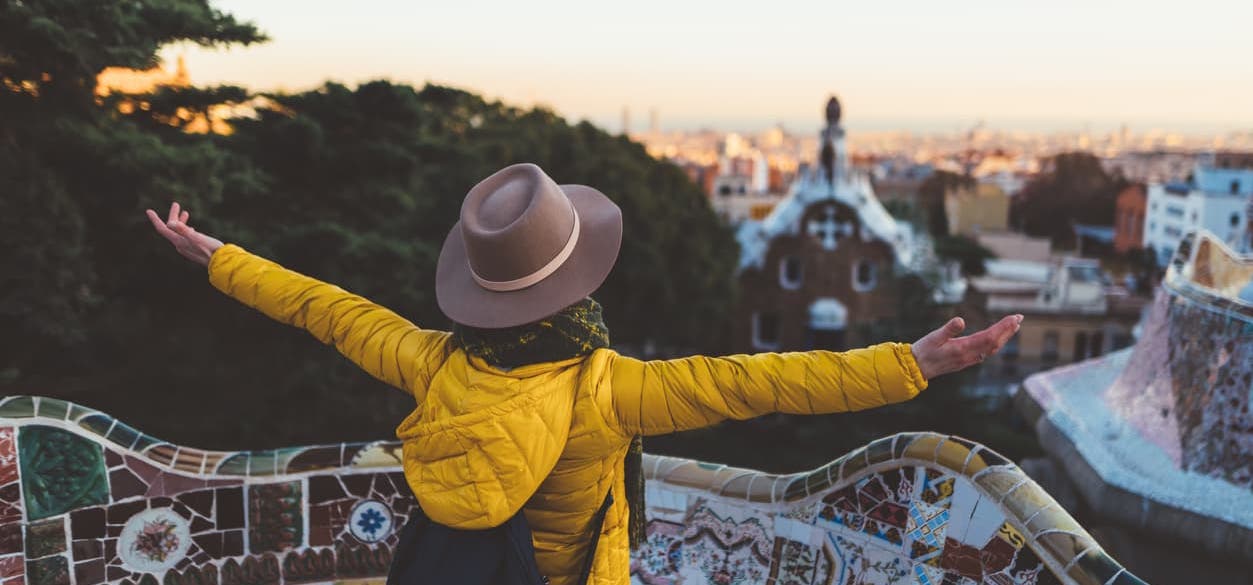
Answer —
(914, 66)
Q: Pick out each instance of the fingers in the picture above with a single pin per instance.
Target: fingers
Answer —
(173, 216)
(184, 217)
(161, 227)
(183, 229)
(992, 339)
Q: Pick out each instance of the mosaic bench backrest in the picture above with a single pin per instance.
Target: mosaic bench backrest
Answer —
(1197, 350)
(86, 499)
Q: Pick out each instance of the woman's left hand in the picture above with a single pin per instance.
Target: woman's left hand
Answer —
(192, 244)
(942, 352)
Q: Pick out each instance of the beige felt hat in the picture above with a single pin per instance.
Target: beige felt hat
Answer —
(525, 248)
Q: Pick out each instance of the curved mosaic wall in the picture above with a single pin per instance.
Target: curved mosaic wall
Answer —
(86, 499)
(1208, 365)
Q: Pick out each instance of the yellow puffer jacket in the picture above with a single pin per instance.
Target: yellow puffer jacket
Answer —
(550, 438)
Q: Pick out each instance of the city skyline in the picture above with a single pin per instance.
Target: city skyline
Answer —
(921, 67)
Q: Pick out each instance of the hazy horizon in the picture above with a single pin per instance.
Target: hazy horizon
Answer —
(907, 66)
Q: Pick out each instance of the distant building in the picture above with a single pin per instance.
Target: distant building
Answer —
(1016, 246)
(1129, 218)
(984, 208)
(1072, 314)
(1215, 199)
(741, 189)
(820, 271)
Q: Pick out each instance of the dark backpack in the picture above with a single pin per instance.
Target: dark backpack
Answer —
(431, 553)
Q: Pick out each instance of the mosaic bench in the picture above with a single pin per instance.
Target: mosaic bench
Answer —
(86, 499)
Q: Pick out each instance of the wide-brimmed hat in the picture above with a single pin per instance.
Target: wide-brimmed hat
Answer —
(525, 248)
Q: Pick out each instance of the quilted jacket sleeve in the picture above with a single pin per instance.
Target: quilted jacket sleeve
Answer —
(381, 342)
(657, 397)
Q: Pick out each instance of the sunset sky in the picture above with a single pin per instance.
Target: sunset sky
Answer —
(926, 65)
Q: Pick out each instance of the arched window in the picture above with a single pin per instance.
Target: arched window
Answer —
(766, 331)
(791, 273)
(865, 275)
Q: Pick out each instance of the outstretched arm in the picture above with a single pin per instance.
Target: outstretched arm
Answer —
(384, 344)
(658, 397)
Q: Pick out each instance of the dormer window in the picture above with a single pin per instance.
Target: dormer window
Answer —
(791, 273)
(865, 275)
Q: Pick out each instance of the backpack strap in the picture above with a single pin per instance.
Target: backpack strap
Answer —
(598, 522)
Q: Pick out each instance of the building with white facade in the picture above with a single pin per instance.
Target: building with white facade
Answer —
(1216, 198)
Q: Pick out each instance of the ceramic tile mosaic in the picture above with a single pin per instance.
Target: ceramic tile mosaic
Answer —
(1144, 430)
(86, 500)
(1210, 340)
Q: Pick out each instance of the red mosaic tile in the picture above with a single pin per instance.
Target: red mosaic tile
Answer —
(89, 572)
(146, 471)
(12, 566)
(200, 501)
(11, 493)
(170, 484)
(8, 456)
(123, 484)
(10, 513)
(10, 538)
(962, 559)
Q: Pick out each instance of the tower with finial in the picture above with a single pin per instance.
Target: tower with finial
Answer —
(832, 153)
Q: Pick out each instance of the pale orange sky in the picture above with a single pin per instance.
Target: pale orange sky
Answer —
(908, 65)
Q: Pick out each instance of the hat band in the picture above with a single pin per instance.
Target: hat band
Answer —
(534, 277)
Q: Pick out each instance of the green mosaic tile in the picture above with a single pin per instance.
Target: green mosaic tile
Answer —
(77, 412)
(53, 408)
(143, 442)
(236, 464)
(854, 463)
(97, 423)
(879, 451)
(284, 456)
(18, 407)
(817, 481)
(1126, 578)
(48, 571)
(263, 463)
(61, 471)
(795, 489)
(902, 441)
(1094, 568)
(123, 434)
(45, 538)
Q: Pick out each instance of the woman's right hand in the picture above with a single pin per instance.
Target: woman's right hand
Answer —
(192, 244)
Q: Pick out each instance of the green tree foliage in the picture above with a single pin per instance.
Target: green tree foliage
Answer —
(931, 198)
(355, 186)
(1074, 188)
(965, 251)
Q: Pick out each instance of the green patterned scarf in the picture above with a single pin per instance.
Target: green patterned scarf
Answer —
(577, 330)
